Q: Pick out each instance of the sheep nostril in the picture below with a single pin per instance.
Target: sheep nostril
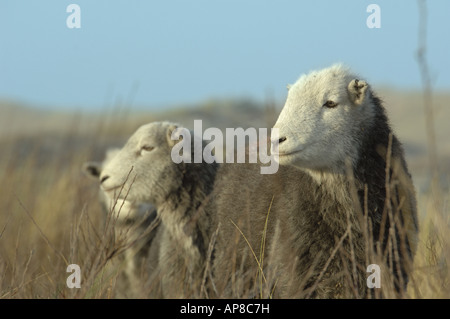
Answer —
(104, 178)
(282, 139)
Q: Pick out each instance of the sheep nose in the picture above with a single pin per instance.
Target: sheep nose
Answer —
(104, 178)
(282, 139)
(277, 141)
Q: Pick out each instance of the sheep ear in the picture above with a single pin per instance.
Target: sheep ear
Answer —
(171, 139)
(357, 91)
(92, 169)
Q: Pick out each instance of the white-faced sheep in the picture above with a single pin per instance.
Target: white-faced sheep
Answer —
(136, 227)
(341, 200)
(144, 170)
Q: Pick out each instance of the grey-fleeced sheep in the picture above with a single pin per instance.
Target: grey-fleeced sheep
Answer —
(145, 171)
(341, 200)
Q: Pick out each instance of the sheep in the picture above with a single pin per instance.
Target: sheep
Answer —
(145, 171)
(341, 200)
(137, 222)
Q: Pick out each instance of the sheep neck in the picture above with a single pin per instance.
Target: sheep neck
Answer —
(184, 214)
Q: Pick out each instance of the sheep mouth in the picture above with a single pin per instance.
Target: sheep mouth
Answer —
(287, 153)
(112, 189)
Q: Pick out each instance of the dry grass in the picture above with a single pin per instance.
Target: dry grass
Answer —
(50, 216)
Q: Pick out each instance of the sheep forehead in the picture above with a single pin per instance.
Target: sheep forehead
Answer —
(150, 129)
(151, 132)
(319, 86)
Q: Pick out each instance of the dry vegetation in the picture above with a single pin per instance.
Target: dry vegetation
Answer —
(50, 216)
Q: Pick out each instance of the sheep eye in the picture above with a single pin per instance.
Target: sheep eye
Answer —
(330, 104)
(147, 148)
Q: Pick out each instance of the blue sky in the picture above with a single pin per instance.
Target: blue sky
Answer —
(153, 54)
